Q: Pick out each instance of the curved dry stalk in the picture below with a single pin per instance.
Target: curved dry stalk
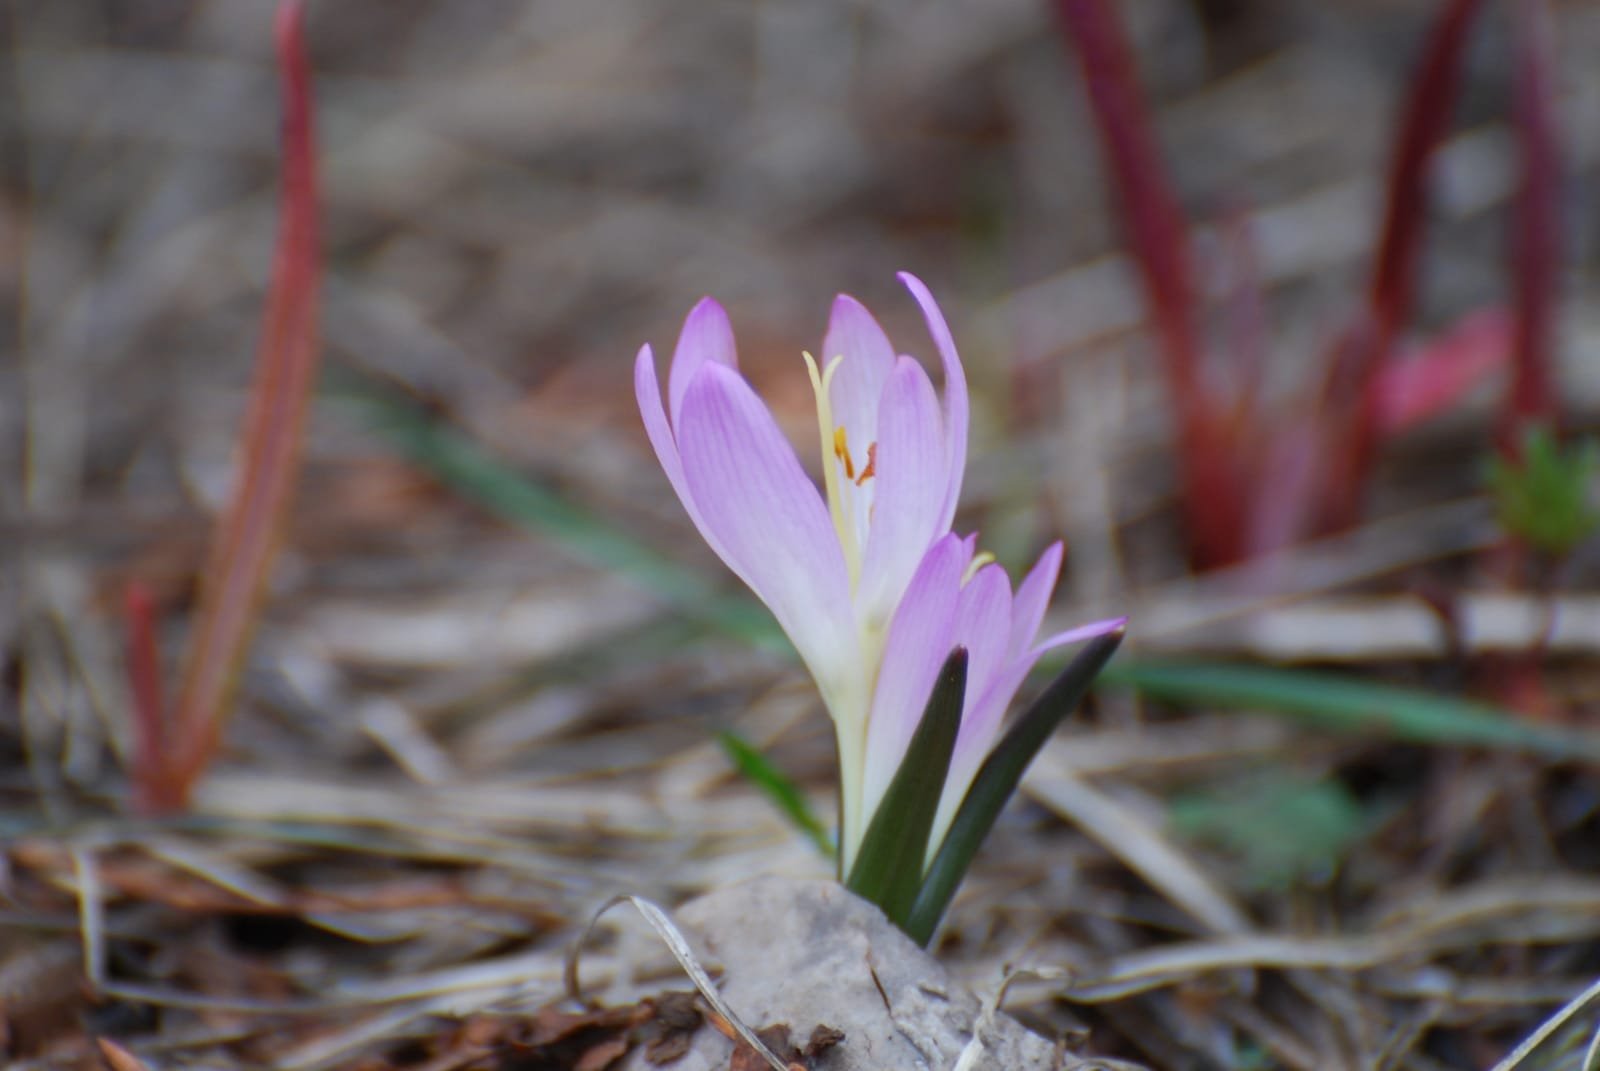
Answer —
(678, 945)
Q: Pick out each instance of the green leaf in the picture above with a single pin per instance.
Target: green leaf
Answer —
(783, 792)
(1282, 829)
(1545, 497)
(997, 779)
(888, 867)
(463, 464)
(1332, 701)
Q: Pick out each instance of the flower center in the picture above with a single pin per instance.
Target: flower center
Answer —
(849, 498)
(841, 450)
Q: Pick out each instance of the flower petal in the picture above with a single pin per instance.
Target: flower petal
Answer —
(854, 334)
(647, 391)
(980, 728)
(920, 638)
(983, 626)
(1080, 634)
(911, 481)
(706, 336)
(955, 393)
(1033, 598)
(981, 723)
(766, 520)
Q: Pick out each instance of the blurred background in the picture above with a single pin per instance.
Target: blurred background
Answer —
(516, 195)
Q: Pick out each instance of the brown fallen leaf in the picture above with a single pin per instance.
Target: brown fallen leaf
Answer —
(118, 1058)
(776, 1038)
(822, 1039)
(677, 1018)
(602, 1055)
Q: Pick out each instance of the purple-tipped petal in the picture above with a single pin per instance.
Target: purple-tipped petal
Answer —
(983, 627)
(980, 725)
(955, 393)
(647, 391)
(1033, 598)
(706, 336)
(855, 335)
(920, 638)
(766, 519)
(980, 728)
(1080, 634)
(911, 480)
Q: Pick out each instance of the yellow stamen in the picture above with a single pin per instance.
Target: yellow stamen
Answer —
(841, 450)
(820, 382)
(979, 560)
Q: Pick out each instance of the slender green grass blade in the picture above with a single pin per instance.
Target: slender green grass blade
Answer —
(997, 779)
(468, 468)
(888, 867)
(1341, 703)
(783, 792)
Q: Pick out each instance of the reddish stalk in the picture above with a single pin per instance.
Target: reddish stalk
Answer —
(1351, 418)
(1427, 118)
(149, 705)
(1536, 225)
(251, 531)
(1213, 485)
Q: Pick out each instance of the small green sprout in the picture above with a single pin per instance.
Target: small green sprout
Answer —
(1546, 497)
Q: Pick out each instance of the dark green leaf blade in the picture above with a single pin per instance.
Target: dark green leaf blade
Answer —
(777, 787)
(888, 866)
(997, 779)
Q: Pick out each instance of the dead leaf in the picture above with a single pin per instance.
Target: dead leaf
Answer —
(118, 1058)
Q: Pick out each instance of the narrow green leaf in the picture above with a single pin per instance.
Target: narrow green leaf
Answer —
(783, 792)
(997, 779)
(888, 867)
(1337, 702)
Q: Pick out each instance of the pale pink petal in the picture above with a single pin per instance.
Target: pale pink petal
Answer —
(765, 518)
(920, 638)
(983, 627)
(1080, 634)
(1033, 599)
(980, 727)
(854, 334)
(955, 393)
(647, 390)
(706, 336)
(911, 481)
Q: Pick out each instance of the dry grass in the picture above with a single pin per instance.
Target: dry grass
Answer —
(457, 739)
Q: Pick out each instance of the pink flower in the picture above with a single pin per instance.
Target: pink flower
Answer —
(865, 577)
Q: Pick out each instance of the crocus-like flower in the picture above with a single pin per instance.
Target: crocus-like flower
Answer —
(865, 578)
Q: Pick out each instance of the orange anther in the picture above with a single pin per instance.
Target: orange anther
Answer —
(872, 465)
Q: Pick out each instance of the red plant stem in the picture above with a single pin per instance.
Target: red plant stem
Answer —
(1536, 224)
(1349, 414)
(1213, 490)
(1427, 117)
(241, 558)
(1155, 226)
(149, 705)
(1248, 334)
